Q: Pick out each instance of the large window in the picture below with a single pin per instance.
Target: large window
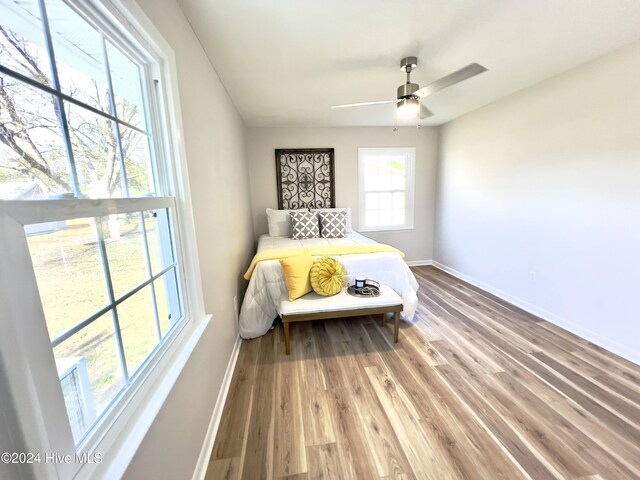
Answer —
(84, 173)
(386, 188)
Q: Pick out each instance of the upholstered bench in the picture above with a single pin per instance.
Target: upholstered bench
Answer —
(316, 307)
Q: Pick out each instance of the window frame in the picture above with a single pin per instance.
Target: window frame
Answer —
(410, 155)
(28, 378)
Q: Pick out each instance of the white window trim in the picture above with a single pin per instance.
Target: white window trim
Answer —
(27, 390)
(410, 152)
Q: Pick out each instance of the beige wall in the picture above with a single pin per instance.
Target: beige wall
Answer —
(221, 202)
(539, 198)
(260, 146)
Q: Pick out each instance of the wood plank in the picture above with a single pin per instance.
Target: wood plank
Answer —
(423, 348)
(560, 423)
(328, 359)
(424, 455)
(375, 428)
(522, 454)
(327, 461)
(621, 372)
(519, 324)
(336, 330)
(258, 455)
(297, 476)
(360, 462)
(620, 406)
(529, 426)
(469, 449)
(316, 412)
(289, 438)
(223, 469)
(236, 410)
(623, 389)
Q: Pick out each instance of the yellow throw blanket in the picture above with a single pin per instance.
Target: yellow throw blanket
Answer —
(319, 252)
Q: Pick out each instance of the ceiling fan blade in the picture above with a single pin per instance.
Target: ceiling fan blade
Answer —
(451, 79)
(347, 105)
(425, 112)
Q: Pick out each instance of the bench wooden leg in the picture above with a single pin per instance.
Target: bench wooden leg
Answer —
(287, 347)
(396, 327)
(383, 319)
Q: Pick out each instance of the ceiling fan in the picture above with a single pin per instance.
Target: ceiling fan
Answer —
(409, 94)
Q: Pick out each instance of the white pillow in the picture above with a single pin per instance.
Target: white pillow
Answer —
(347, 210)
(280, 221)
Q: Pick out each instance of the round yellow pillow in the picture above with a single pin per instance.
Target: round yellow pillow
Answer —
(327, 276)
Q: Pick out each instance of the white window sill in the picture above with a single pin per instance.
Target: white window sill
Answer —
(386, 229)
(121, 444)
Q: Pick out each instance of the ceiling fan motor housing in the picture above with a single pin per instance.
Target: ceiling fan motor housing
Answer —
(407, 90)
(408, 63)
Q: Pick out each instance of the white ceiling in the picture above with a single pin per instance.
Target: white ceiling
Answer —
(285, 62)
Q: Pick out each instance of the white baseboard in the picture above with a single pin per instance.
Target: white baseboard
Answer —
(419, 263)
(214, 423)
(589, 335)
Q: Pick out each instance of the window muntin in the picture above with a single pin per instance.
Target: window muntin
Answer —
(386, 188)
(70, 142)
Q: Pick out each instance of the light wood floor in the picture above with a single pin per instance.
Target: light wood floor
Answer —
(476, 388)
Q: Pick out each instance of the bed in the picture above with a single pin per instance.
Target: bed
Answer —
(267, 284)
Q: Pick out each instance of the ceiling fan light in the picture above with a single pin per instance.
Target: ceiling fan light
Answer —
(408, 106)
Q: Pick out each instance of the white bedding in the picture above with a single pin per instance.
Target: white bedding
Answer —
(267, 284)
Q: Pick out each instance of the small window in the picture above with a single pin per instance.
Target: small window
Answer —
(386, 188)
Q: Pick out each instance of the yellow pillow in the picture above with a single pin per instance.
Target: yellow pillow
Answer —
(296, 274)
(327, 276)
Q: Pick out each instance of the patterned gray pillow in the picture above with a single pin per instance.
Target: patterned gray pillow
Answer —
(304, 225)
(333, 224)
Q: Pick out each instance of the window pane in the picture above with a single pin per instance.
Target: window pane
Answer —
(90, 373)
(79, 56)
(95, 151)
(372, 201)
(157, 225)
(398, 216)
(138, 325)
(386, 217)
(398, 182)
(124, 243)
(33, 160)
(397, 163)
(399, 200)
(371, 218)
(371, 182)
(372, 166)
(386, 199)
(68, 267)
(22, 42)
(126, 79)
(169, 313)
(137, 162)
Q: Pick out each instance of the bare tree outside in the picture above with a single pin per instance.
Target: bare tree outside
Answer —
(32, 144)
